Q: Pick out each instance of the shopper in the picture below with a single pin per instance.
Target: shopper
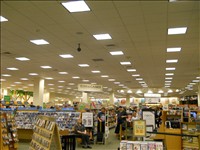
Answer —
(121, 120)
(80, 130)
(101, 120)
(158, 115)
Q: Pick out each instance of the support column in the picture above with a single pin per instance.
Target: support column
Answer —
(85, 98)
(111, 98)
(127, 100)
(38, 92)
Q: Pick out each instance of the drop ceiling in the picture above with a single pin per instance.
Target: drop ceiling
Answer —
(138, 28)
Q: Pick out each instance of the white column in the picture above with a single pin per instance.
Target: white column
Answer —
(85, 98)
(111, 98)
(38, 92)
(127, 100)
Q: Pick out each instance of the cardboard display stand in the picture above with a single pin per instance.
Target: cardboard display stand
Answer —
(46, 135)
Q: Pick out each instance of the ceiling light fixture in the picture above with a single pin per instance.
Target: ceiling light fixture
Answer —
(170, 68)
(39, 42)
(5, 75)
(33, 74)
(102, 36)
(46, 67)
(12, 68)
(76, 6)
(174, 49)
(22, 58)
(125, 63)
(117, 53)
(169, 74)
(3, 19)
(172, 61)
(62, 72)
(131, 70)
(66, 56)
(83, 65)
(49, 78)
(181, 30)
(95, 71)
(104, 76)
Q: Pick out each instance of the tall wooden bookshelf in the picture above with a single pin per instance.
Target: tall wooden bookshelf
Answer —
(46, 135)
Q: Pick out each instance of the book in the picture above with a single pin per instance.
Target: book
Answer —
(143, 145)
(159, 146)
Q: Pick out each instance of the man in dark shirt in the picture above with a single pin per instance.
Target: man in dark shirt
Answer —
(80, 129)
(101, 120)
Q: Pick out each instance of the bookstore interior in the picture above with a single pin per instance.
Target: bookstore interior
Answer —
(128, 72)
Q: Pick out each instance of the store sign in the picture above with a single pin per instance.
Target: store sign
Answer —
(7, 99)
(152, 95)
(152, 100)
(87, 119)
(90, 88)
(139, 128)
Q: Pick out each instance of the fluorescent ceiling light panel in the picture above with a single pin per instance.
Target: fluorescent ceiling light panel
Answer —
(116, 82)
(135, 75)
(12, 68)
(39, 42)
(22, 58)
(50, 84)
(168, 81)
(141, 82)
(24, 79)
(172, 61)
(71, 84)
(48, 78)
(117, 53)
(197, 77)
(104, 76)
(131, 70)
(181, 30)
(95, 71)
(111, 79)
(192, 83)
(160, 91)
(102, 36)
(46, 67)
(150, 92)
(17, 82)
(75, 77)
(30, 84)
(121, 85)
(66, 56)
(76, 6)
(169, 74)
(3, 19)
(61, 81)
(195, 80)
(138, 79)
(174, 49)
(62, 72)
(168, 78)
(167, 86)
(139, 92)
(169, 91)
(83, 65)
(85, 80)
(125, 63)
(6, 75)
(170, 68)
(33, 74)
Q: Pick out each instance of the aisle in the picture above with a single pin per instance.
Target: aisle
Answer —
(111, 144)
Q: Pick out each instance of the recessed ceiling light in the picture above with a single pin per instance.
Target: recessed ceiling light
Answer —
(39, 42)
(135, 75)
(17, 82)
(33, 74)
(83, 65)
(181, 30)
(46, 67)
(172, 61)
(50, 84)
(131, 70)
(62, 72)
(71, 83)
(138, 79)
(24, 79)
(125, 63)
(66, 56)
(160, 91)
(102, 36)
(61, 81)
(139, 92)
(6, 75)
(167, 86)
(168, 78)
(48, 78)
(104, 76)
(170, 68)
(3, 19)
(75, 77)
(76, 6)
(195, 80)
(95, 71)
(141, 82)
(117, 53)
(168, 81)
(111, 79)
(30, 84)
(12, 68)
(197, 77)
(192, 83)
(85, 80)
(22, 58)
(174, 49)
(169, 74)
(116, 82)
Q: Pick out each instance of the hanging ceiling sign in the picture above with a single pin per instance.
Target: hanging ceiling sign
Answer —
(90, 88)
(152, 95)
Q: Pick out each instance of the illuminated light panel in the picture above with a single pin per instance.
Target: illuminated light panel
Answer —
(22, 58)
(131, 70)
(172, 61)
(12, 68)
(62, 72)
(33, 74)
(95, 71)
(76, 6)
(102, 36)
(116, 53)
(46, 67)
(180, 30)
(3, 19)
(104, 76)
(169, 74)
(83, 65)
(170, 68)
(125, 63)
(66, 56)
(39, 42)
(6, 75)
(174, 49)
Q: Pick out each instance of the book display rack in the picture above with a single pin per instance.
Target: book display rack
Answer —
(46, 135)
(8, 131)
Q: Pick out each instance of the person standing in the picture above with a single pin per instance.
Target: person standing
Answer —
(80, 130)
(101, 116)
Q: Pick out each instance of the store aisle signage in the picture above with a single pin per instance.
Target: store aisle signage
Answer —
(90, 88)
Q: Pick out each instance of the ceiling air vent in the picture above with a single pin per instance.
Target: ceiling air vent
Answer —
(110, 45)
(97, 59)
(6, 53)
